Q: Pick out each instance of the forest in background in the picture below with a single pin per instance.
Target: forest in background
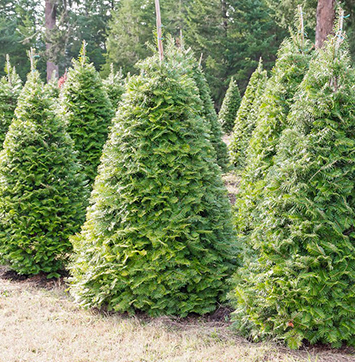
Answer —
(229, 36)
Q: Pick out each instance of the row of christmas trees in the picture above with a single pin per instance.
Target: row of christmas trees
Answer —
(158, 235)
(293, 144)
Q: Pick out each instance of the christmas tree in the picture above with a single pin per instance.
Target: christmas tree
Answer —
(301, 285)
(291, 65)
(10, 88)
(158, 235)
(210, 116)
(114, 86)
(230, 106)
(41, 190)
(246, 117)
(87, 111)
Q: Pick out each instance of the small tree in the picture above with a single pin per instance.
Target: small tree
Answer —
(41, 189)
(230, 106)
(87, 111)
(246, 117)
(158, 236)
(302, 285)
(114, 86)
(10, 88)
(52, 87)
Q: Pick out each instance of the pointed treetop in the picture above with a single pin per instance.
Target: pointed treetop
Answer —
(82, 55)
(7, 65)
(260, 65)
(32, 55)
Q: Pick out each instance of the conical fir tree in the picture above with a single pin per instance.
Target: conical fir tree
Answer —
(291, 65)
(230, 106)
(87, 111)
(114, 86)
(158, 236)
(210, 115)
(10, 88)
(246, 117)
(52, 87)
(303, 284)
(41, 190)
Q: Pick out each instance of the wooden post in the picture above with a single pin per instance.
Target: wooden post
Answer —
(301, 24)
(159, 31)
(341, 27)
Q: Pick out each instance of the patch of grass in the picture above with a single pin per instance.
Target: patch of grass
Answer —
(44, 325)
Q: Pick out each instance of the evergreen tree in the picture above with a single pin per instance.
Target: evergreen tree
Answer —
(114, 86)
(302, 285)
(41, 190)
(290, 68)
(52, 87)
(230, 106)
(87, 111)
(246, 117)
(210, 115)
(158, 236)
(10, 87)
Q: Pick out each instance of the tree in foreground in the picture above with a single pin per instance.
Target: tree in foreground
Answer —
(10, 88)
(114, 86)
(41, 190)
(158, 235)
(230, 106)
(246, 117)
(88, 112)
(302, 284)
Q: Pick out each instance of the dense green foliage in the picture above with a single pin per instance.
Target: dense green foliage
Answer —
(210, 116)
(114, 86)
(10, 87)
(52, 88)
(41, 190)
(246, 117)
(88, 113)
(230, 106)
(290, 68)
(232, 35)
(302, 284)
(158, 236)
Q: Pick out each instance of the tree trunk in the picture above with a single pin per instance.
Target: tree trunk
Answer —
(325, 20)
(50, 14)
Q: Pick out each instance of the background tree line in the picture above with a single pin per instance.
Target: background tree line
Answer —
(229, 35)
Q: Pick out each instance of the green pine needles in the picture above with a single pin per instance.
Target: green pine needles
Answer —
(302, 284)
(10, 88)
(291, 65)
(87, 111)
(158, 236)
(246, 117)
(41, 189)
(230, 106)
(210, 116)
(114, 86)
